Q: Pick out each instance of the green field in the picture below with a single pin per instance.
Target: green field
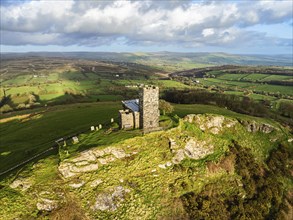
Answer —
(277, 77)
(24, 135)
(255, 76)
(232, 76)
(230, 85)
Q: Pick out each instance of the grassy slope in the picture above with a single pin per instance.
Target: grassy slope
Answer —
(32, 131)
(137, 174)
(24, 137)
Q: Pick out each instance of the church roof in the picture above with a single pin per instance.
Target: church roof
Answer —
(133, 104)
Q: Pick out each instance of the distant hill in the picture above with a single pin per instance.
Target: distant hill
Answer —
(202, 58)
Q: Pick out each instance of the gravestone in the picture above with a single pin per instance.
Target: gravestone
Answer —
(75, 140)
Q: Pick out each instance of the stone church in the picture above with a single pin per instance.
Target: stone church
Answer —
(143, 112)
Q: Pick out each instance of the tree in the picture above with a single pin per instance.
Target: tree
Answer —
(165, 107)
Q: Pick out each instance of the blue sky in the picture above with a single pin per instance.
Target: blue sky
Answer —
(240, 27)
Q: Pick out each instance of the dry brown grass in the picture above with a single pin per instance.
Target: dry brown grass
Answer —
(227, 164)
(70, 211)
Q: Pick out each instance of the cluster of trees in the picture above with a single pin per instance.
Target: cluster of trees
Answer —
(286, 109)
(7, 104)
(264, 197)
(236, 103)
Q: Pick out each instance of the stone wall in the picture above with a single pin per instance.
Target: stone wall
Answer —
(136, 117)
(149, 107)
(126, 119)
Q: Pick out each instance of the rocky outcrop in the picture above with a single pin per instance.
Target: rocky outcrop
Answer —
(110, 201)
(179, 156)
(22, 184)
(193, 149)
(197, 149)
(90, 160)
(47, 204)
(68, 169)
(253, 126)
(211, 123)
(49, 201)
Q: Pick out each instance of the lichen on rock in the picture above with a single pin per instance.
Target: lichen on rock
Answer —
(197, 149)
(253, 126)
(211, 123)
(110, 201)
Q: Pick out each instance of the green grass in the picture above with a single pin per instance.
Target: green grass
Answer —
(140, 173)
(234, 93)
(230, 85)
(277, 78)
(184, 109)
(232, 76)
(255, 76)
(28, 136)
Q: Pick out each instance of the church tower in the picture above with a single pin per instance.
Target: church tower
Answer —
(149, 107)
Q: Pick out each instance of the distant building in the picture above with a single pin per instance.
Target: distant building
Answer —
(143, 112)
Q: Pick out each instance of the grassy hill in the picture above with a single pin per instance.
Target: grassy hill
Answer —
(27, 133)
(208, 161)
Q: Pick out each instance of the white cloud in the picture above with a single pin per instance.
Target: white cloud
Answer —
(190, 23)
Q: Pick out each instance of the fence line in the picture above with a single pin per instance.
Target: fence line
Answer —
(49, 149)
(26, 161)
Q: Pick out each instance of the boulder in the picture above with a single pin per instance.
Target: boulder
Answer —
(85, 156)
(110, 201)
(211, 123)
(118, 153)
(253, 126)
(69, 169)
(22, 184)
(47, 204)
(197, 150)
(179, 156)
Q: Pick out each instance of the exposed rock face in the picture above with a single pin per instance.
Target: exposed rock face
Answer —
(179, 156)
(47, 204)
(211, 123)
(90, 160)
(118, 153)
(68, 169)
(252, 126)
(196, 150)
(22, 184)
(110, 201)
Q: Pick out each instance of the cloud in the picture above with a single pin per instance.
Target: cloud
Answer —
(186, 23)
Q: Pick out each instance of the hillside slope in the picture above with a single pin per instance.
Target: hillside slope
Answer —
(209, 166)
